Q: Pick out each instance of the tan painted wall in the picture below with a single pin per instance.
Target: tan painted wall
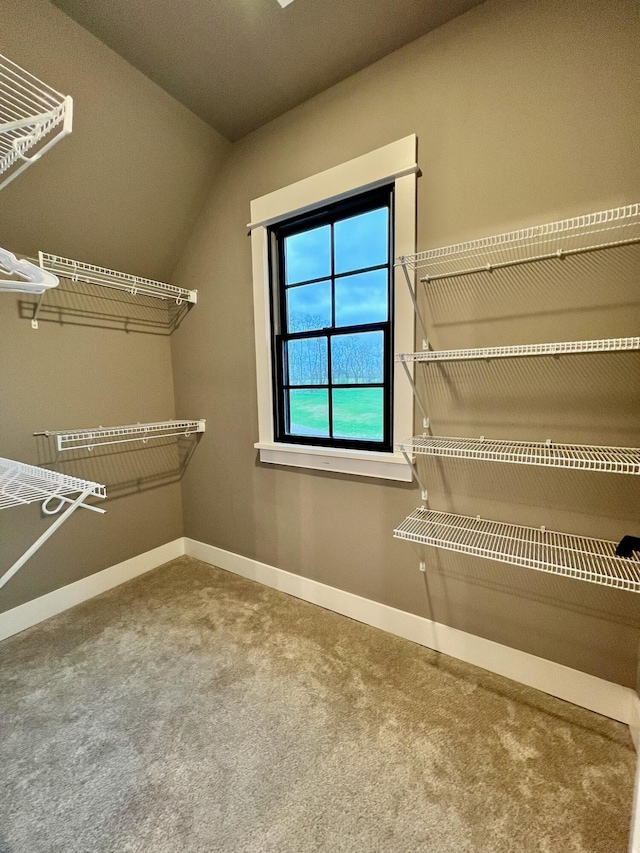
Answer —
(122, 191)
(524, 113)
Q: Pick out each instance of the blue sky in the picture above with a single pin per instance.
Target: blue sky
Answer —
(360, 241)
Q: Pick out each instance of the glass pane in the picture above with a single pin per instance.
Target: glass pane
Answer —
(357, 358)
(307, 361)
(362, 241)
(309, 307)
(309, 412)
(358, 413)
(362, 298)
(308, 255)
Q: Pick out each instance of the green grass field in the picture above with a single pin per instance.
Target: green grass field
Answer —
(357, 413)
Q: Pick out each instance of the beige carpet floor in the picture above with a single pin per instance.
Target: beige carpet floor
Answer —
(192, 711)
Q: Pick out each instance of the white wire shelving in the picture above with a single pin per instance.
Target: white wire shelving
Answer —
(582, 457)
(523, 350)
(590, 232)
(88, 439)
(30, 112)
(578, 557)
(22, 484)
(558, 553)
(428, 356)
(113, 279)
(30, 278)
(132, 284)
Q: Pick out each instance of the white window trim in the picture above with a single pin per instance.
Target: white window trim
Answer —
(392, 163)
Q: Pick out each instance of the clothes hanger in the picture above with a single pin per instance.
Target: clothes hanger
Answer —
(34, 278)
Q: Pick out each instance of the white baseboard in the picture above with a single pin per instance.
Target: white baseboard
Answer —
(587, 691)
(634, 838)
(634, 724)
(26, 615)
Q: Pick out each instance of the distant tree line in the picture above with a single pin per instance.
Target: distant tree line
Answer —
(356, 358)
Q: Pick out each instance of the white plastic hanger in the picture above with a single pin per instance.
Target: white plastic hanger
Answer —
(34, 278)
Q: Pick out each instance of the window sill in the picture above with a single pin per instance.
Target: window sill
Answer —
(386, 466)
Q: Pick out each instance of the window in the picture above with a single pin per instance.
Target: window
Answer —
(332, 325)
(330, 311)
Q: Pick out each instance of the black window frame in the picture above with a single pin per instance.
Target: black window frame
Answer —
(328, 215)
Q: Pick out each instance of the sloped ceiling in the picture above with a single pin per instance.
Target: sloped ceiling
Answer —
(240, 63)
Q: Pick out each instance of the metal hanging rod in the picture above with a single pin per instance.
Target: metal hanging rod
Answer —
(87, 439)
(31, 279)
(579, 557)
(603, 229)
(132, 284)
(30, 111)
(582, 457)
(22, 484)
(522, 350)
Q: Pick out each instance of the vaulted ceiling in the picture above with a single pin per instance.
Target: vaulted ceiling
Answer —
(240, 63)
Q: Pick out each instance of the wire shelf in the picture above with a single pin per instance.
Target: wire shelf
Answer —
(543, 550)
(30, 111)
(582, 457)
(589, 232)
(87, 439)
(22, 484)
(132, 284)
(523, 350)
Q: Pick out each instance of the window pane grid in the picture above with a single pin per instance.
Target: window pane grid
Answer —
(337, 275)
(329, 337)
(333, 284)
(340, 413)
(334, 385)
(329, 332)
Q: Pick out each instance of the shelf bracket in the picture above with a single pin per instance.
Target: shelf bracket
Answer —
(415, 475)
(412, 294)
(74, 504)
(425, 417)
(36, 311)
